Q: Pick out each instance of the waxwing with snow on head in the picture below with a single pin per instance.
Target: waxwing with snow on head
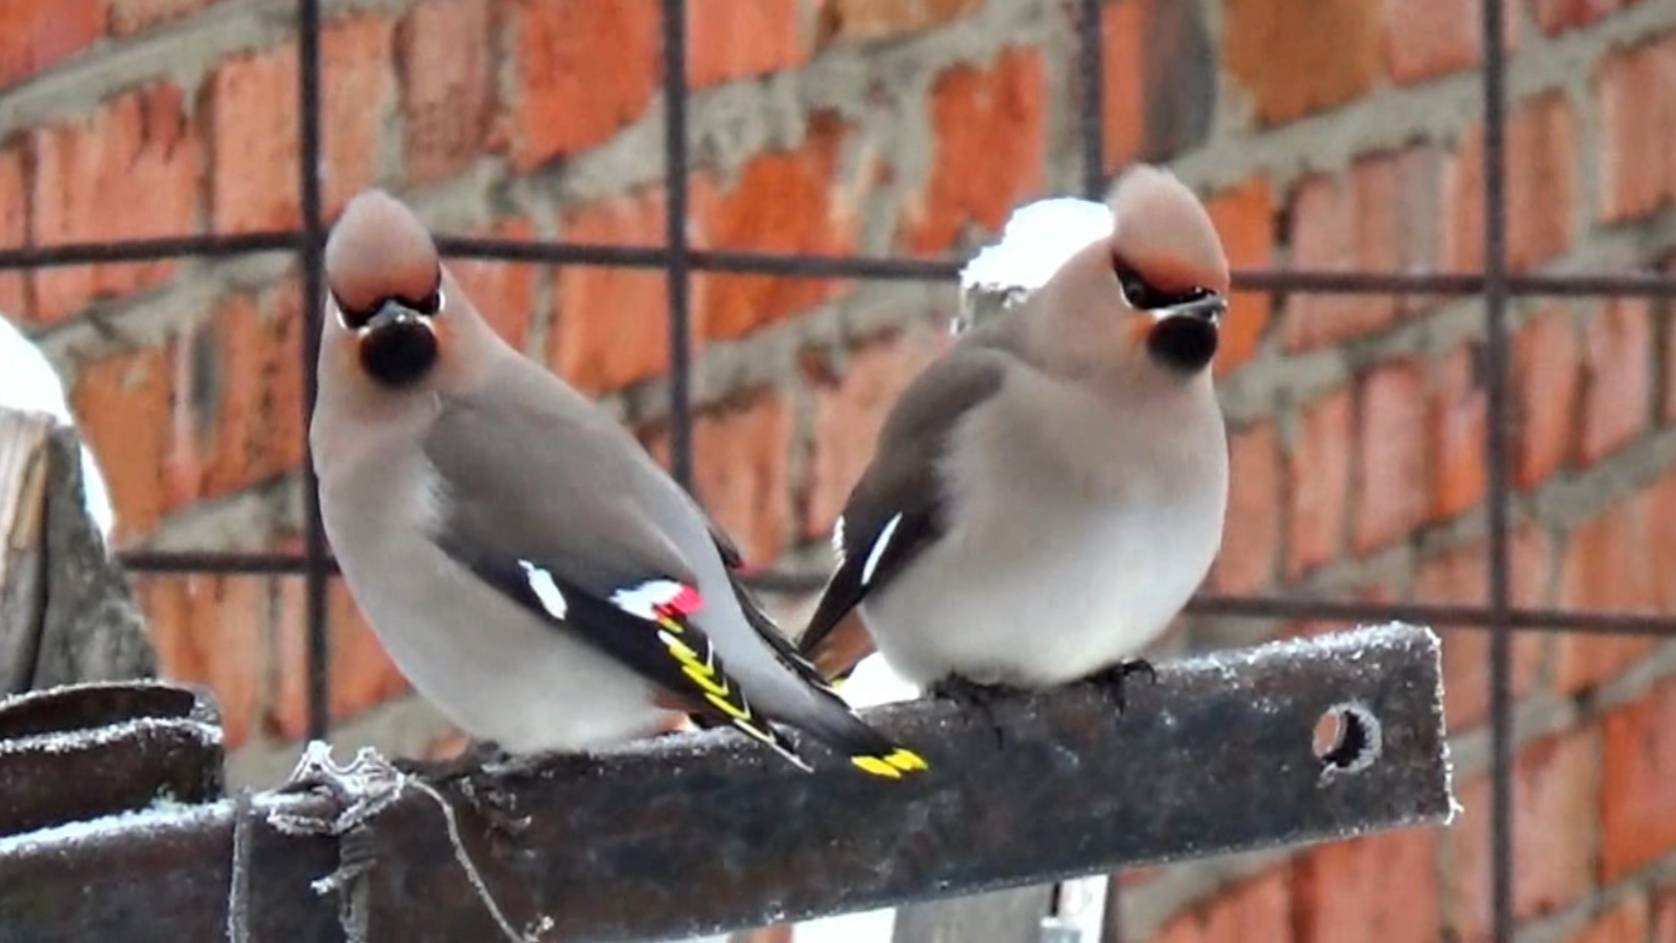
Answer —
(1044, 498)
(524, 561)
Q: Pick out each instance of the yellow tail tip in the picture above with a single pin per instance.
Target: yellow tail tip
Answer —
(893, 765)
(907, 761)
(876, 766)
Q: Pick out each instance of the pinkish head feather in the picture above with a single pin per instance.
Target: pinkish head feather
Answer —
(379, 249)
(1164, 233)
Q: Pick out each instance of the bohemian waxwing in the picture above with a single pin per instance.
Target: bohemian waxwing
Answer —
(1047, 494)
(524, 561)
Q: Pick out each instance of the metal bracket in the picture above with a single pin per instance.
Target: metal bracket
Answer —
(696, 834)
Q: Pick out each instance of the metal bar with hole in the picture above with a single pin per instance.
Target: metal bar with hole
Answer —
(693, 834)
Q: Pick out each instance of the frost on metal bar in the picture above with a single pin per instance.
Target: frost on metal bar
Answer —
(698, 833)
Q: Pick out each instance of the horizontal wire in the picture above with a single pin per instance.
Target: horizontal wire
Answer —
(1582, 621)
(1640, 284)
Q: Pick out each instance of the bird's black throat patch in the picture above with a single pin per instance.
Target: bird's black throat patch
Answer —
(399, 353)
(1183, 342)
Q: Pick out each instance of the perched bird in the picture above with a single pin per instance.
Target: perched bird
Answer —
(1046, 495)
(524, 561)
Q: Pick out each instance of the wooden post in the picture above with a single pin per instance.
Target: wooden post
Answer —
(67, 613)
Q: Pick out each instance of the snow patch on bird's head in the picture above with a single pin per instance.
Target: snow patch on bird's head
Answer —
(1036, 242)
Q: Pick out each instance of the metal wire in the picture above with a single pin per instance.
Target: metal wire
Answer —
(1496, 458)
(678, 261)
(315, 552)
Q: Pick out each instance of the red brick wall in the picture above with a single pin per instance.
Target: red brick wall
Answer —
(1325, 134)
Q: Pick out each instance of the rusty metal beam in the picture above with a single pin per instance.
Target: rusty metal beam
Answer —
(701, 833)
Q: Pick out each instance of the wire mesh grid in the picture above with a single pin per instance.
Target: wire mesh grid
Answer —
(678, 261)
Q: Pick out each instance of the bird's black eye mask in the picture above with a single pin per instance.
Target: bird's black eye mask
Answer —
(357, 318)
(1143, 296)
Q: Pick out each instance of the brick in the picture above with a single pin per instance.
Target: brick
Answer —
(584, 69)
(1555, 16)
(40, 35)
(859, 20)
(136, 16)
(1244, 217)
(1459, 426)
(734, 39)
(443, 55)
(362, 675)
(1623, 922)
(236, 417)
(848, 413)
(1380, 217)
(252, 107)
(1667, 407)
(1606, 566)
(1392, 490)
(14, 230)
(1618, 388)
(122, 404)
(1450, 42)
(1319, 476)
(1640, 763)
(999, 112)
(1547, 377)
(1664, 918)
(1556, 790)
(1637, 164)
(1159, 80)
(1381, 889)
(782, 202)
(611, 325)
(1256, 909)
(742, 470)
(1542, 187)
(209, 630)
(129, 170)
(1659, 507)
(1296, 57)
(1461, 577)
(1250, 551)
(504, 292)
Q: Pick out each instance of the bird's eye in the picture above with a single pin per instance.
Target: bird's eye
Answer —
(430, 304)
(354, 319)
(1135, 289)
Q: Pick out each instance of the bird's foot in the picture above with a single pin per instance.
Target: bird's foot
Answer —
(970, 694)
(478, 755)
(497, 808)
(1113, 680)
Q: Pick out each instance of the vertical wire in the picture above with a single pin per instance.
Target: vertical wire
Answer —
(679, 268)
(1496, 368)
(314, 532)
(1091, 129)
(1091, 77)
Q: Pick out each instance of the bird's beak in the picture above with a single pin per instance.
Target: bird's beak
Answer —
(1209, 307)
(393, 314)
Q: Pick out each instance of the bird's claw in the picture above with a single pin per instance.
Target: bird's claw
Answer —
(1113, 680)
(497, 808)
(970, 694)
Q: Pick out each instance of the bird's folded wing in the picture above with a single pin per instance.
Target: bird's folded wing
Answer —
(589, 561)
(896, 510)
